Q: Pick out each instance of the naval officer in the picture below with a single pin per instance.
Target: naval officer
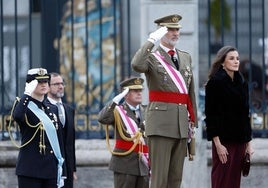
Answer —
(41, 157)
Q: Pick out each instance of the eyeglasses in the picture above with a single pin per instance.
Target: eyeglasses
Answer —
(58, 84)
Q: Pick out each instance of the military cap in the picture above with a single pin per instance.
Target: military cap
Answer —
(132, 83)
(171, 21)
(39, 74)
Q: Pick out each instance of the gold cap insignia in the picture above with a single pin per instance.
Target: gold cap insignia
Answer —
(41, 72)
(137, 81)
(175, 19)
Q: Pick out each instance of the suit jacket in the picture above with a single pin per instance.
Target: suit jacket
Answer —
(31, 162)
(69, 140)
(165, 119)
(131, 163)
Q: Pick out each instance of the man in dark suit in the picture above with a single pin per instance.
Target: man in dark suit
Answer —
(130, 156)
(171, 110)
(66, 117)
(41, 154)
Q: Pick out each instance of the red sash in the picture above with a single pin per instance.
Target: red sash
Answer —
(125, 145)
(132, 128)
(173, 97)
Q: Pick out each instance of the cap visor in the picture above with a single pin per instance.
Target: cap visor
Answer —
(135, 87)
(42, 79)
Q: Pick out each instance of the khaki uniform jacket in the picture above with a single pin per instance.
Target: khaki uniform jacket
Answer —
(165, 119)
(131, 163)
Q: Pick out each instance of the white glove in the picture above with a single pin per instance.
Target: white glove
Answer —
(158, 34)
(30, 87)
(120, 96)
(62, 179)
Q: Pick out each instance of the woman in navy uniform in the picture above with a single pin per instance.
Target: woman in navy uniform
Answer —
(39, 162)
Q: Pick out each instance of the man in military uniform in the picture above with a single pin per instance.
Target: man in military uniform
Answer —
(171, 111)
(130, 156)
(40, 160)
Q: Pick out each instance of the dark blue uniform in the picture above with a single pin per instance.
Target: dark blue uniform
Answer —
(36, 160)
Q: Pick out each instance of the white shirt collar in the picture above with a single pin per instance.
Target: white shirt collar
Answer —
(165, 48)
(52, 101)
(133, 108)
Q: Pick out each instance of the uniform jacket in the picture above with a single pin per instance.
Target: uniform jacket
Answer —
(128, 164)
(31, 162)
(165, 119)
(69, 139)
(227, 108)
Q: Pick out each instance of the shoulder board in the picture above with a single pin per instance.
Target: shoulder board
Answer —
(183, 51)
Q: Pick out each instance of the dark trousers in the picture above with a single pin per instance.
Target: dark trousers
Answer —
(130, 181)
(27, 182)
(68, 183)
(227, 175)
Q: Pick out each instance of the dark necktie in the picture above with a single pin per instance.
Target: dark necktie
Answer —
(173, 58)
(137, 116)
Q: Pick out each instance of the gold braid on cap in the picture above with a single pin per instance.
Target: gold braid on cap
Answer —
(122, 132)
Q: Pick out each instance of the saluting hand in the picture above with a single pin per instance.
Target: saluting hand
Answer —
(158, 34)
(120, 96)
(30, 87)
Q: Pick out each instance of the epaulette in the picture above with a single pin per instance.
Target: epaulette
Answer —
(183, 51)
(144, 105)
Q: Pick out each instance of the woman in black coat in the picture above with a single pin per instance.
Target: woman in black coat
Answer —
(227, 119)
